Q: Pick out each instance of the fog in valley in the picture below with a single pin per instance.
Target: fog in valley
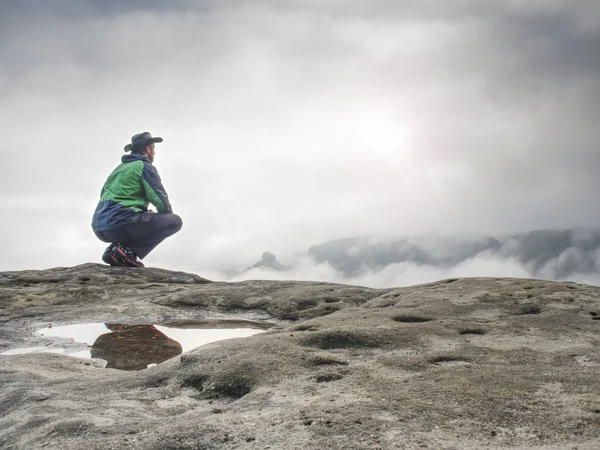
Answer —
(379, 143)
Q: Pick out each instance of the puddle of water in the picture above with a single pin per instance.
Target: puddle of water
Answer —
(23, 351)
(194, 338)
(82, 333)
(135, 347)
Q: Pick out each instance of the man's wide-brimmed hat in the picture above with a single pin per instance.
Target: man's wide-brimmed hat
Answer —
(141, 140)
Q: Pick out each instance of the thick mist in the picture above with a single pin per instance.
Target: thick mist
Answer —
(289, 124)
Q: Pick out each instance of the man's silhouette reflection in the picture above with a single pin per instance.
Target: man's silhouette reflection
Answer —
(133, 347)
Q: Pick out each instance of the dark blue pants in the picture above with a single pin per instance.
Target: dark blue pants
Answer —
(144, 235)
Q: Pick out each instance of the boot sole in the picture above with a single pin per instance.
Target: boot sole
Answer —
(111, 260)
(125, 260)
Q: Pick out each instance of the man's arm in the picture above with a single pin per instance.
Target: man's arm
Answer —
(154, 189)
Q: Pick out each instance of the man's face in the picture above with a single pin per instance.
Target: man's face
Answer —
(150, 152)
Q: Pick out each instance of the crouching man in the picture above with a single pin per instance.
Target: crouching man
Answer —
(122, 217)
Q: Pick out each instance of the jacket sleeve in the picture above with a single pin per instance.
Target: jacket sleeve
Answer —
(155, 191)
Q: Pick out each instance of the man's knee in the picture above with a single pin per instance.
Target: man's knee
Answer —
(176, 223)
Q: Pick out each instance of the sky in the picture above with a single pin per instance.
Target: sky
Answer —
(289, 123)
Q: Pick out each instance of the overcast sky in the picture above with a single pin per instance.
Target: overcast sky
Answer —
(289, 123)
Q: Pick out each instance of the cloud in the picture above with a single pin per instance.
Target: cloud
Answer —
(290, 123)
(403, 274)
(568, 266)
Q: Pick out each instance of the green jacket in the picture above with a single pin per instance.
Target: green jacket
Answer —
(127, 192)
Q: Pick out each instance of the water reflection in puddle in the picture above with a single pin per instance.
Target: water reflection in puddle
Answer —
(135, 347)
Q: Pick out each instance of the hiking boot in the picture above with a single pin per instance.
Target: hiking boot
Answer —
(125, 256)
(110, 258)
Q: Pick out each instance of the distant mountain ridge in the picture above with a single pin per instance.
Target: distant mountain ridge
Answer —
(267, 261)
(560, 252)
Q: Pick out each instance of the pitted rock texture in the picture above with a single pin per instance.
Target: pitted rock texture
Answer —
(457, 364)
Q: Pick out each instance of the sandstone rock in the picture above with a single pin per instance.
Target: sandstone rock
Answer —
(466, 363)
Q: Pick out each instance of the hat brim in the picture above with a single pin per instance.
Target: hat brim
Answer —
(153, 140)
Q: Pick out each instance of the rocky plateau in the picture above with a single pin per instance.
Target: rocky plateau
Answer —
(464, 363)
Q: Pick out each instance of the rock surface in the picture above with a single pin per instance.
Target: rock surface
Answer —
(462, 364)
